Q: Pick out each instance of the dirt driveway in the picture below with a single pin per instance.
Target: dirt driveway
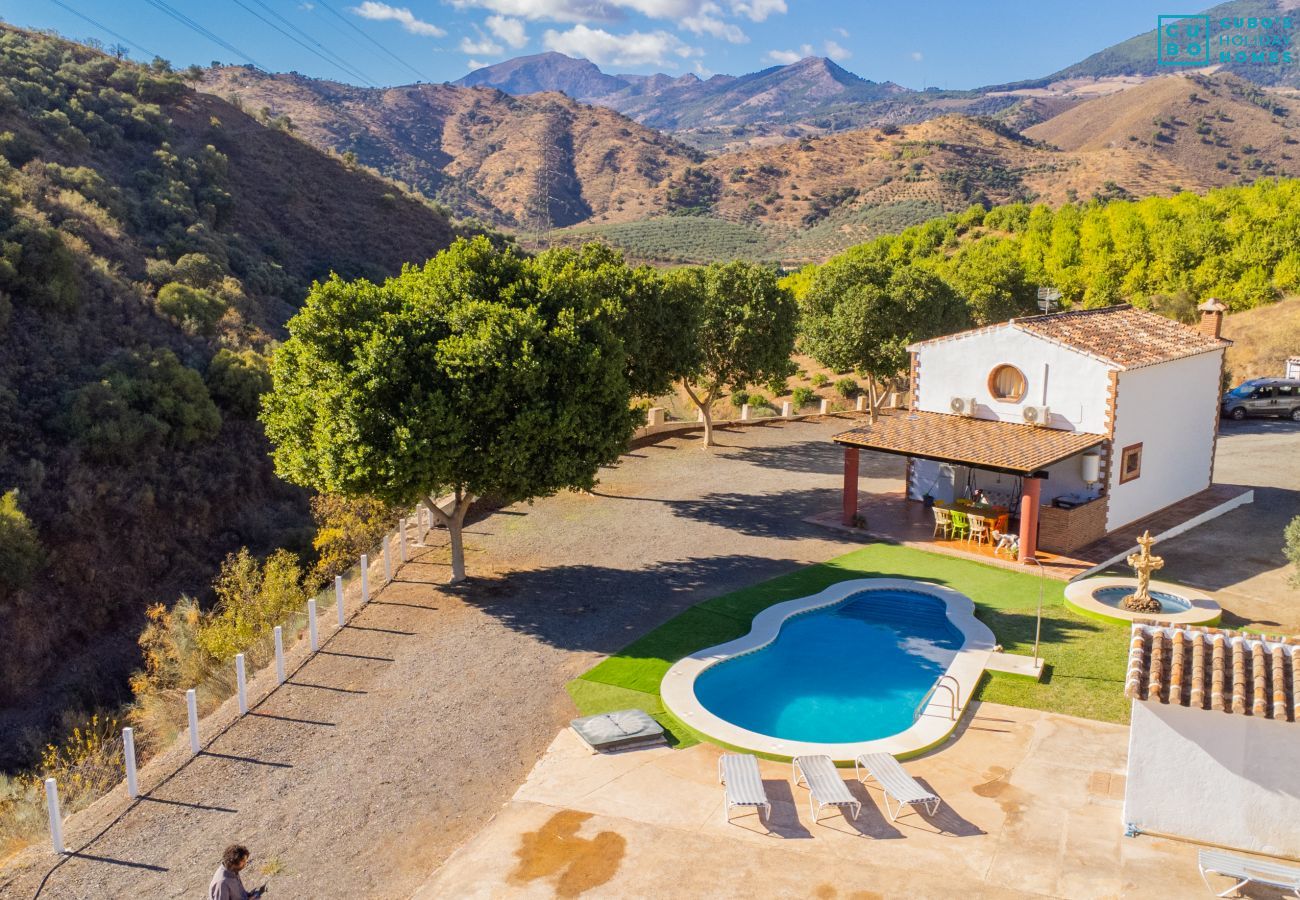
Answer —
(395, 745)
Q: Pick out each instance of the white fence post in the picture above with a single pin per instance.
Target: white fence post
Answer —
(826, 406)
(128, 755)
(279, 655)
(787, 409)
(388, 562)
(56, 819)
(241, 683)
(862, 402)
(191, 700)
(365, 578)
(744, 412)
(311, 624)
(401, 531)
(338, 598)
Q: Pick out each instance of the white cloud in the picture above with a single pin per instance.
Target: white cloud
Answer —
(917, 56)
(842, 32)
(306, 7)
(509, 30)
(757, 10)
(708, 21)
(484, 46)
(635, 48)
(382, 12)
(836, 52)
(584, 11)
(786, 57)
(475, 64)
(551, 10)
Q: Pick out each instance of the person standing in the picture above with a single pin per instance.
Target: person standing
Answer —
(226, 883)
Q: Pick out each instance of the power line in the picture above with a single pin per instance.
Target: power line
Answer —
(303, 44)
(199, 29)
(338, 60)
(353, 26)
(103, 28)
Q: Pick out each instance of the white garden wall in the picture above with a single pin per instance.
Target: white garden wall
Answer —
(1210, 776)
(1171, 410)
(1075, 386)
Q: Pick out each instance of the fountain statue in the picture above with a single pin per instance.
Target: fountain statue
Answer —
(1144, 564)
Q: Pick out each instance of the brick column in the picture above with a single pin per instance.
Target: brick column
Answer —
(1029, 518)
(850, 485)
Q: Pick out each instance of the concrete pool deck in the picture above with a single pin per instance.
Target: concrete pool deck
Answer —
(1032, 808)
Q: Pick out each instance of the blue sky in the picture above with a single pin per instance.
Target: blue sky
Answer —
(944, 44)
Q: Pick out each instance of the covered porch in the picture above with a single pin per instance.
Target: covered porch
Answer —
(1040, 488)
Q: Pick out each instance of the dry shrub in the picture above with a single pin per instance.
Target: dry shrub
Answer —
(87, 763)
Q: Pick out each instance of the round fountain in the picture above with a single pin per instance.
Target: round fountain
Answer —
(1140, 598)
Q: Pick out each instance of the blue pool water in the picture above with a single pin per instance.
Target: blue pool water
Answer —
(1114, 596)
(850, 672)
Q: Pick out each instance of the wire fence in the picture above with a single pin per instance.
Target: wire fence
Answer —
(94, 762)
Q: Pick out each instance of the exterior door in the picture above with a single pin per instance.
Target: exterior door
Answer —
(1260, 401)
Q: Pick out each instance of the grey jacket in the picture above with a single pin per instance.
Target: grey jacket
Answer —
(226, 886)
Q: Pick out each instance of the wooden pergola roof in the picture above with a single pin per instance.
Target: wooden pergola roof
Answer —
(998, 446)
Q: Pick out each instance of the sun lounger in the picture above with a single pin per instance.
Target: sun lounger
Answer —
(896, 783)
(739, 773)
(1247, 870)
(825, 786)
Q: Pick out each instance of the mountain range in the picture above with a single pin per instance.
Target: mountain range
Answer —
(540, 162)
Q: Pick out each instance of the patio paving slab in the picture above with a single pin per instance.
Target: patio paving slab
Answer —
(1031, 808)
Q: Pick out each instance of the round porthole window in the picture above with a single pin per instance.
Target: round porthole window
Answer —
(1007, 383)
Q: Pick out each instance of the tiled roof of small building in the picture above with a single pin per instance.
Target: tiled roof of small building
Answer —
(1122, 336)
(1215, 669)
(984, 443)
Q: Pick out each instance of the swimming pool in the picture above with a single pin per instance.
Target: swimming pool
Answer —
(854, 671)
(850, 670)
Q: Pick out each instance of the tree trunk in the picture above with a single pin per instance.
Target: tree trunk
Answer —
(454, 524)
(705, 406)
(871, 398)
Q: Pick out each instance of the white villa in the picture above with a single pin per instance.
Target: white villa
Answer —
(1079, 422)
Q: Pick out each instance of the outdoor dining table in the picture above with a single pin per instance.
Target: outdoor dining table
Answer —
(999, 516)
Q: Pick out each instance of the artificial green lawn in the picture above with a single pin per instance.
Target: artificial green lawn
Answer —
(1085, 659)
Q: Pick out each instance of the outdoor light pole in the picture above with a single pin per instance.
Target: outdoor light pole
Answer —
(1042, 586)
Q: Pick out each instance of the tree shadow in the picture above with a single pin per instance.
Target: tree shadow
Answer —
(602, 609)
(821, 457)
(772, 515)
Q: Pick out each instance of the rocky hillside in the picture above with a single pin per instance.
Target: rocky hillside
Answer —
(1215, 127)
(154, 241)
(533, 162)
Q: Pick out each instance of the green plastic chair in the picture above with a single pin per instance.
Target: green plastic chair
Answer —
(960, 524)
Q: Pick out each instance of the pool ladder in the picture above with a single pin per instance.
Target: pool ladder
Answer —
(954, 692)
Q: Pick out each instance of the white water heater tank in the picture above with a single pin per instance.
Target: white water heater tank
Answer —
(1091, 466)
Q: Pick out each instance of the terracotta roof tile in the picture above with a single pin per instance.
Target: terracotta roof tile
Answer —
(1217, 669)
(1121, 336)
(969, 441)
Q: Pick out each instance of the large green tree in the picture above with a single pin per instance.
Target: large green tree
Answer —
(861, 312)
(480, 373)
(742, 330)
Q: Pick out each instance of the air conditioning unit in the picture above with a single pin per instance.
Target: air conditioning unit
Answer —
(962, 406)
(1037, 415)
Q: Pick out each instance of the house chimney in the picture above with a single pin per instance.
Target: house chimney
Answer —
(1212, 312)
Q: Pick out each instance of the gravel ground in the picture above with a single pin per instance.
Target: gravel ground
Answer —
(384, 753)
(395, 745)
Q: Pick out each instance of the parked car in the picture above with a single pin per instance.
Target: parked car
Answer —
(1264, 397)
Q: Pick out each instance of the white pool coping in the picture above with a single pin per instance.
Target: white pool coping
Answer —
(932, 727)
